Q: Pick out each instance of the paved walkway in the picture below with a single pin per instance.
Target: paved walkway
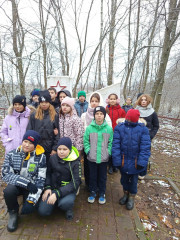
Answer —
(91, 221)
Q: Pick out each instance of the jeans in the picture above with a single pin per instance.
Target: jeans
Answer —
(129, 182)
(97, 177)
(11, 192)
(65, 203)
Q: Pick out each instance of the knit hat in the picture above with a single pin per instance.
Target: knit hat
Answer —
(44, 96)
(35, 92)
(139, 94)
(32, 136)
(133, 115)
(129, 97)
(66, 142)
(101, 109)
(20, 99)
(81, 93)
(69, 101)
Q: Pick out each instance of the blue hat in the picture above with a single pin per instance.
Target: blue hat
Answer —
(66, 142)
(35, 92)
(32, 136)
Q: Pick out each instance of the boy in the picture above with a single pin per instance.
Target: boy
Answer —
(24, 171)
(34, 101)
(130, 153)
(81, 105)
(97, 145)
(54, 100)
(128, 104)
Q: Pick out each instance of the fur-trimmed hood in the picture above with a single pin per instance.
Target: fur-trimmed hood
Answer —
(28, 110)
(141, 120)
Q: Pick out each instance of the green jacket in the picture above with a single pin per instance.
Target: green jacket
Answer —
(98, 142)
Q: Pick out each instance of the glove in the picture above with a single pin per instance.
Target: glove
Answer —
(27, 208)
(139, 167)
(32, 188)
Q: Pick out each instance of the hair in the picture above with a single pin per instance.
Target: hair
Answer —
(148, 98)
(61, 112)
(51, 88)
(39, 113)
(95, 95)
(112, 95)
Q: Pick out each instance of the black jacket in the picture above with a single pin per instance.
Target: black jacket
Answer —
(152, 124)
(46, 130)
(64, 176)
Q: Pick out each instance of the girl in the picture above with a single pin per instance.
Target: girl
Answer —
(15, 123)
(69, 124)
(62, 180)
(87, 117)
(62, 94)
(44, 121)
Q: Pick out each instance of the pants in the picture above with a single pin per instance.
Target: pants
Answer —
(97, 177)
(65, 203)
(129, 182)
(86, 170)
(11, 192)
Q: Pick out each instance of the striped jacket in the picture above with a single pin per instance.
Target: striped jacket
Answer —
(19, 169)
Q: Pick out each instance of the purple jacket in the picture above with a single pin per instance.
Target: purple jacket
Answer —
(14, 128)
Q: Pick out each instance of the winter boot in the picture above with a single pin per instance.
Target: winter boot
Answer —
(123, 200)
(69, 214)
(130, 202)
(13, 221)
(110, 171)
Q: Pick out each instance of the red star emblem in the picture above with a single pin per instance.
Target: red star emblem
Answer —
(59, 85)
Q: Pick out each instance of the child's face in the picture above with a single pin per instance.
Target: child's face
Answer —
(35, 98)
(18, 107)
(63, 151)
(44, 105)
(112, 100)
(66, 108)
(27, 146)
(53, 94)
(128, 101)
(144, 102)
(82, 99)
(62, 95)
(99, 117)
(94, 102)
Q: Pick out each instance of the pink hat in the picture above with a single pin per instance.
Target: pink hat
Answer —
(69, 101)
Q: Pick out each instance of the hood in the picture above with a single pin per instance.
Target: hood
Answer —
(121, 120)
(74, 154)
(26, 112)
(39, 150)
(101, 98)
(67, 92)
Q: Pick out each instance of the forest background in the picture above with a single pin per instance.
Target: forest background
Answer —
(134, 43)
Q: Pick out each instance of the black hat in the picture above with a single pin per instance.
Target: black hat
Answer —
(44, 96)
(20, 99)
(101, 109)
(66, 142)
(32, 136)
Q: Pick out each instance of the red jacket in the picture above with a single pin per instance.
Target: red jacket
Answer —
(115, 112)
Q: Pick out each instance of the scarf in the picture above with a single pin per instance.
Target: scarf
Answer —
(145, 111)
(89, 115)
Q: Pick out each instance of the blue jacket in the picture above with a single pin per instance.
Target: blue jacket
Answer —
(131, 147)
(81, 107)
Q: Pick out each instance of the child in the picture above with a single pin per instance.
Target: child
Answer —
(15, 123)
(130, 152)
(128, 104)
(62, 94)
(97, 145)
(81, 105)
(54, 100)
(87, 117)
(115, 111)
(44, 121)
(69, 124)
(62, 181)
(34, 101)
(24, 171)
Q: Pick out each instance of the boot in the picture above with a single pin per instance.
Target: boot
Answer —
(123, 200)
(13, 221)
(110, 171)
(130, 202)
(69, 214)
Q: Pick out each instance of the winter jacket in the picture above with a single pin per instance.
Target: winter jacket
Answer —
(19, 169)
(34, 104)
(45, 128)
(71, 126)
(64, 175)
(131, 147)
(55, 103)
(81, 107)
(98, 142)
(126, 107)
(115, 112)
(14, 128)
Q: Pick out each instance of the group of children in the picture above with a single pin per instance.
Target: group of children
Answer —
(56, 132)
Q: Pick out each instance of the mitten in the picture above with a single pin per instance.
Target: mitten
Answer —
(32, 188)
(139, 167)
(27, 208)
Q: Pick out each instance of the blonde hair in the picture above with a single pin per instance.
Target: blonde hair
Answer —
(39, 113)
(148, 98)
